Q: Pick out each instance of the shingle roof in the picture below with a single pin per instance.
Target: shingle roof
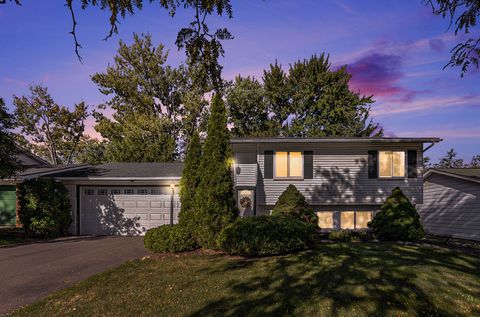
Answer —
(49, 169)
(331, 139)
(472, 174)
(127, 170)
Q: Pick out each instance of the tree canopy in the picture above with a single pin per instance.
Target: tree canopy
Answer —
(463, 15)
(309, 100)
(450, 160)
(156, 107)
(9, 164)
(53, 131)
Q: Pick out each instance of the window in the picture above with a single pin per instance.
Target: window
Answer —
(129, 191)
(89, 192)
(325, 219)
(143, 191)
(392, 164)
(155, 191)
(347, 220)
(115, 191)
(288, 165)
(362, 218)
(102, 192)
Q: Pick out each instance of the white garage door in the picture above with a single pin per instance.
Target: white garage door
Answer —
(125, 210)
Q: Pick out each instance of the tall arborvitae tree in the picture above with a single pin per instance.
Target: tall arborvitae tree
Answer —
(190, 180)
(9, 164)
(215, 200)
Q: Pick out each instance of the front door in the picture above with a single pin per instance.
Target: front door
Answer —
(245, 202)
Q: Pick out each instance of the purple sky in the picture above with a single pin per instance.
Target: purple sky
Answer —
(395, 51)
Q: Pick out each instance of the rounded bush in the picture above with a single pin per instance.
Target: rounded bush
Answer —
(44, 207)
(292, 202)
(397, 219)
(267, 235)
(169, 239)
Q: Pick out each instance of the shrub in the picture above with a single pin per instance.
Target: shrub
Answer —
(397, 219)
(292, 202)
(169, 239)
(343, 235)
(340, 235)
(44, 207)
(267, 235)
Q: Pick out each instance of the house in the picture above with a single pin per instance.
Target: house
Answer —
(33, 166)
(345, 180)
(451, 204)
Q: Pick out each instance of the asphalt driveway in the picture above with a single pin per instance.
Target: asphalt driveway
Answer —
(29, 272)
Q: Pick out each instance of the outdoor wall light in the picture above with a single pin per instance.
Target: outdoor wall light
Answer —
(238, 170)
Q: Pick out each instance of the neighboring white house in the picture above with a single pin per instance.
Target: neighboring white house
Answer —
(451, 202)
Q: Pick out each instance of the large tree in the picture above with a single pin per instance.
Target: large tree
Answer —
(156, 106)
(9, 164)
(202, 46)
(463, 15)
(53, 130)
(215, 200)
(310, 100)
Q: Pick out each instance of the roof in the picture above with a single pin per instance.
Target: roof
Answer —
(469, 174)
(49, 169)
(40, 161)
(127, 171)
(333, 139)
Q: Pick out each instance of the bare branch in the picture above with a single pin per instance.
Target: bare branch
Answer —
(74, 29)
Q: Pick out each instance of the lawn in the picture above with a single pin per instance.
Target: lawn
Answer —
(350, 279)
(12, 235)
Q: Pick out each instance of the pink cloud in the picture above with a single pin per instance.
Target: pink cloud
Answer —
(379, 74)
(426, 104)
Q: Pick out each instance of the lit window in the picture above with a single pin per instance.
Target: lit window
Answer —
(392, 163)
(347, 220)
(288, 165)
(325, 219)
(362, 219)
(102, 192)
(281, 164)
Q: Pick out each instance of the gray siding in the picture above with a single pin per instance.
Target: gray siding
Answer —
(451, 207)
(245, 175)
(340, 175)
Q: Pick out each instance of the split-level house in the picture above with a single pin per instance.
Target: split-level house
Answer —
(344, 179)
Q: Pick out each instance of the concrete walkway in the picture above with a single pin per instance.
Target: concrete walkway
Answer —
(32, 271)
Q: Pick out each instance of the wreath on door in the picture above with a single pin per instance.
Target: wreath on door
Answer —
(245, 202)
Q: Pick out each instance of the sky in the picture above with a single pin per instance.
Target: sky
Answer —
(395, 51)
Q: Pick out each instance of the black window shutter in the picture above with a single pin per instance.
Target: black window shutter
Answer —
(412, 163)
(307, 164)
(372, 164)
(268, 161)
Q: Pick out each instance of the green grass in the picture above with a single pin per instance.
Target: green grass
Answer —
(349, 279)
(12, 235)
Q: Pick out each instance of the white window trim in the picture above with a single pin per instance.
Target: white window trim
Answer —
(288, 177)
(405, 167)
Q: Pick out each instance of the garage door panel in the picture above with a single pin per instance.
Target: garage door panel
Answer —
(120, 214)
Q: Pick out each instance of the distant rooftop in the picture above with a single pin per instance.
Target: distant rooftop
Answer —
(466, 173)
